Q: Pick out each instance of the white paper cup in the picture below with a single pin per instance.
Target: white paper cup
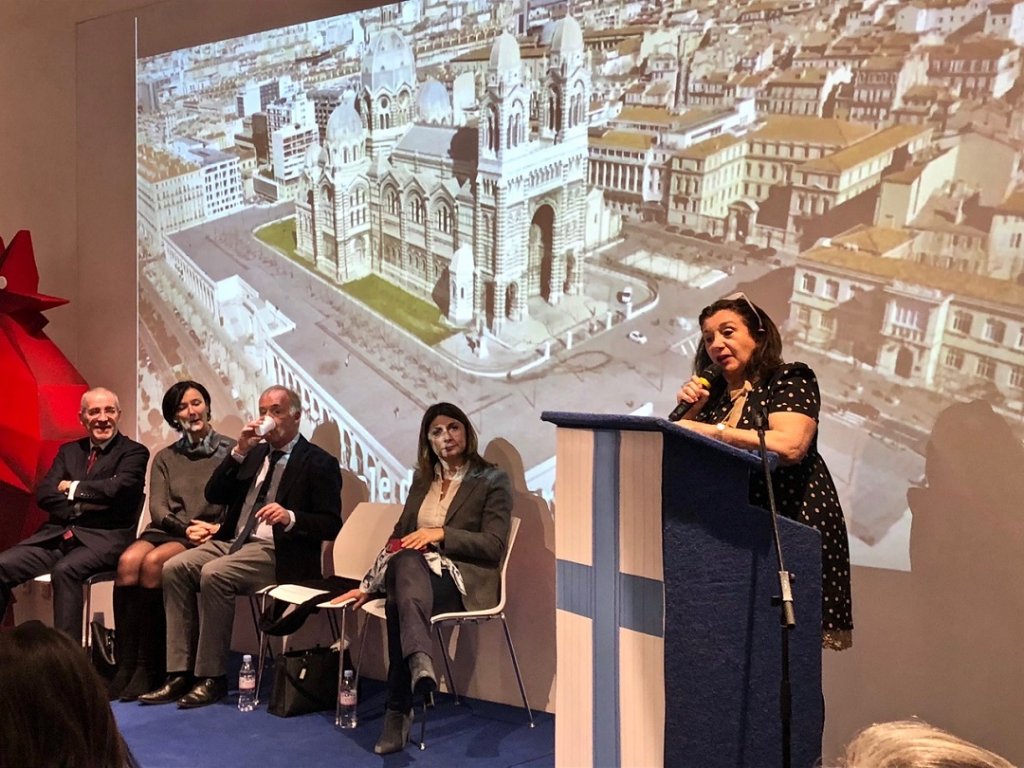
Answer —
(266, 425)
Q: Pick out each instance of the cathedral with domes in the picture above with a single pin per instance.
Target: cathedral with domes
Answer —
(479, 209)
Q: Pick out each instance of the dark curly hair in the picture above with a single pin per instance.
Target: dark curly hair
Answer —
(767, 355)
(172, 399)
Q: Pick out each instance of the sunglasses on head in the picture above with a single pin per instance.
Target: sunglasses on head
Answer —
(741, 296)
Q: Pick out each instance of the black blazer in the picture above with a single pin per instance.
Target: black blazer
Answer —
(310, 487)
(105, 512)
(475, 530)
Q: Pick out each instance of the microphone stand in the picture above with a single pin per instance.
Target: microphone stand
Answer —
(787, 617)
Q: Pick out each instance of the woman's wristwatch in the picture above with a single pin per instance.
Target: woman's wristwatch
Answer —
(720, 426)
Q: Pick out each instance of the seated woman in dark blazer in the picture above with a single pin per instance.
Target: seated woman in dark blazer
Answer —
(444, 555)
(181, 518)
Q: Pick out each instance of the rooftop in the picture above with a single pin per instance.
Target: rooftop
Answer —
(871, 239)
(885, 140)
(709, 147)
(1013, 205)
(827, 131)
(963, 284)
(158, 165)
(882, 64)
(621, 139)
(808, 76)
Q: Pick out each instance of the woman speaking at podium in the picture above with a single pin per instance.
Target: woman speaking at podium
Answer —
(738, 371)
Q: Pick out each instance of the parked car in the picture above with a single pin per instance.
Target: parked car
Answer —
(636, 336)
(683, 322)
(626, 294)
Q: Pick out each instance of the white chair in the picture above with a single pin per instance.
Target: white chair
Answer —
(361, 537)
(376, 608)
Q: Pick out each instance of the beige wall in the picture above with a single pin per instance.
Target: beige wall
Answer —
(67, 174)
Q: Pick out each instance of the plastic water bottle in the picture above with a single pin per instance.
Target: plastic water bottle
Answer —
(247, 685)
(348, 699)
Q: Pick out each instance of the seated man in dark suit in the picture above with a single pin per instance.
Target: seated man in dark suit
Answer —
(283, 499)
(93, 493)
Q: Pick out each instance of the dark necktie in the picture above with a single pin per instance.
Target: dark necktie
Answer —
(93, 455)
(261, 499)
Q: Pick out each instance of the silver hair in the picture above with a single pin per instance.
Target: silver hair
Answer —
(293, 396)
(96, 391)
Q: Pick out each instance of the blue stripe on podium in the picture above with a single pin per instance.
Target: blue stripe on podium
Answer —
(642, 604)
(641, 601)
(609, 598)
(606, 581)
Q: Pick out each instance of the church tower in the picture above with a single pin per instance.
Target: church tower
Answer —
(504, 148)
(387, 97)
(564, 117)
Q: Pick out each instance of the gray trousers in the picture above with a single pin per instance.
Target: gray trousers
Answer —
(200, 586)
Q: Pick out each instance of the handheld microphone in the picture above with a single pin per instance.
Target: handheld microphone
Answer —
(709, 374)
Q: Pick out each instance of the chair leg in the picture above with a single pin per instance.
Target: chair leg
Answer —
(359, 662)
(447, 666)
(341, 667)
(263, 640)
(515, 665)
(423, 723)
(87, 616)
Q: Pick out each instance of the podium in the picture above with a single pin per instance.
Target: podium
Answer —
(669, 645)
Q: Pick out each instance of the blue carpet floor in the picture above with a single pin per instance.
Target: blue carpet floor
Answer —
(475, 733)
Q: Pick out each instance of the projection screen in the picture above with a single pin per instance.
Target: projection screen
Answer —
(516, 211)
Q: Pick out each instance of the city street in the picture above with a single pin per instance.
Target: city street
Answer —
(385, 377)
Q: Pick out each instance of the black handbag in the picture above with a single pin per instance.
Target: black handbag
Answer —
(304, 682)
(101, 646)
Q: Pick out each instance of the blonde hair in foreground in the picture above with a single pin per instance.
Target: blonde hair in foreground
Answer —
(915, 744)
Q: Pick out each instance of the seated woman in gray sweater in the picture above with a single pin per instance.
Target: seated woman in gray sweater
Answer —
(176, 505)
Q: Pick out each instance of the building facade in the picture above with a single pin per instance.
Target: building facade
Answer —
(479, 218)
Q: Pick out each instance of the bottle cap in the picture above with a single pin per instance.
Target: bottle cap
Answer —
(348, 673)
(247, 658)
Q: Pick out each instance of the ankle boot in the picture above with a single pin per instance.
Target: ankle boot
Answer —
(126, 637)
(395, 733)
(151, 645)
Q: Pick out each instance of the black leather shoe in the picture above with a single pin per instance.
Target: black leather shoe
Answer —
(421, 669)
(395, 734)
(207, 691)
(177, 685)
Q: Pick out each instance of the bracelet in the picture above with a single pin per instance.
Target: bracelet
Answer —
(720, 426)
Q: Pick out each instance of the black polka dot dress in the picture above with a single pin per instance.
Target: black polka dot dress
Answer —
(803, 492)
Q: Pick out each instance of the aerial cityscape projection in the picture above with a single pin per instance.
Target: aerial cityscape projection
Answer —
(523, 206)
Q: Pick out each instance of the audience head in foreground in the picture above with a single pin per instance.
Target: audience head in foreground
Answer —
(915, 744)
(53, 705)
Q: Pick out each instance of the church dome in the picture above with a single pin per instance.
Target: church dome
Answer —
(433, 105)
(505, 53)
(344, 125)
(568, 37)
(389, 62)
